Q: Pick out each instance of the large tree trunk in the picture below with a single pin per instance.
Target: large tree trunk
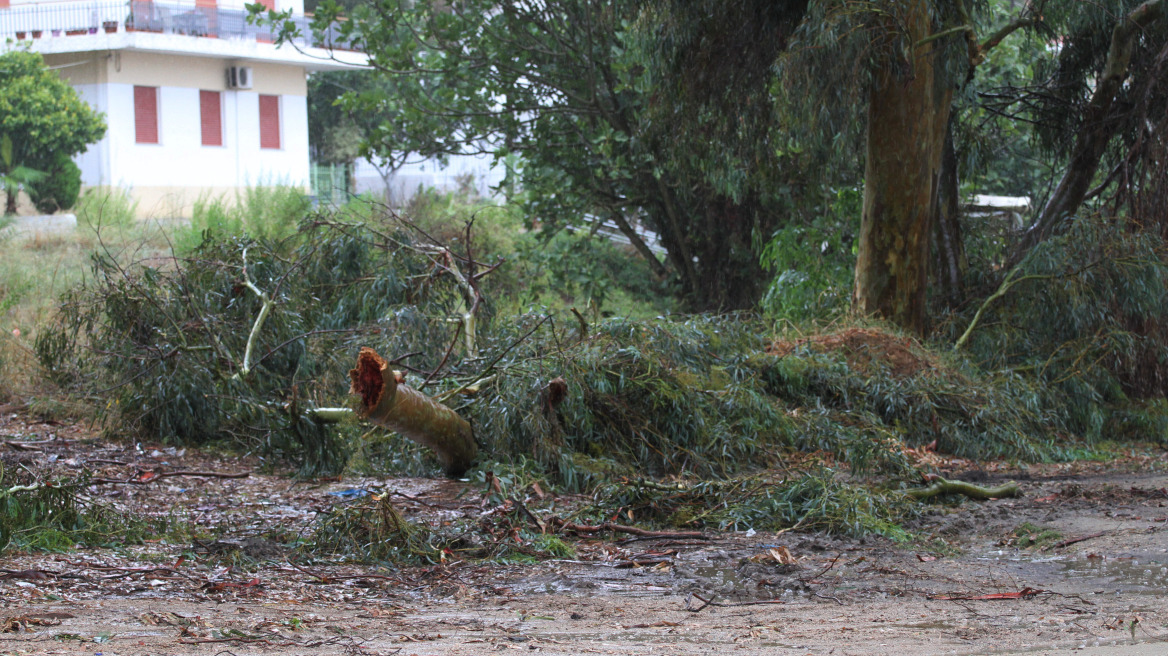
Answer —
(950, 262)
(907, 117)
(400, 408)
(1097, 130)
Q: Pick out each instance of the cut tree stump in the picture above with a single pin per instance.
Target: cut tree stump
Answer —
(406, 411)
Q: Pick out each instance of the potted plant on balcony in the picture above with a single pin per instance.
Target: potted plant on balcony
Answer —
(110, 26)
(75, 32)
(36, 34)
(55, 31)
(20, 35)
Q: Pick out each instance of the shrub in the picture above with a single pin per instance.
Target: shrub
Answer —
(59, 189)
(272, 213)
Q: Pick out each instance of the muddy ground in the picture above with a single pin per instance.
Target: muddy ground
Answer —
(969, 585)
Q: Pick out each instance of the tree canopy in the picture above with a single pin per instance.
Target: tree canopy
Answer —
(41, 116)
(718, 125)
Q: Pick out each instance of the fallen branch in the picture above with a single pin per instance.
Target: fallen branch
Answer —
(265, 310)
(1024, 593)
(1068, 542)
(25, 446)
(631, 530)
(711, 602)
(142, 480)
(943, 486)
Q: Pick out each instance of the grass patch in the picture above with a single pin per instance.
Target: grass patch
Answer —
(271, 213)
(1031, 536)
(102, 209)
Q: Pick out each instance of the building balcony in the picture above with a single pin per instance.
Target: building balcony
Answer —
(50, 21)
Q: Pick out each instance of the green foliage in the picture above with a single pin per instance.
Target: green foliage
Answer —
(101, 208)
(1031, 536)
(997, 154)
(41, 116)
(1086, 323)
(59, 189)
(579, 116)
(370, 530)
(874, 407)
(444, 217)
(813, 262)
(272, 213)
(816, 501)
(55, 515)
(161, 343)
(573, 269)
(700, 397)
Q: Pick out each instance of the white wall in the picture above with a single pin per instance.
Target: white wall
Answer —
(181, 160)
(94, 162)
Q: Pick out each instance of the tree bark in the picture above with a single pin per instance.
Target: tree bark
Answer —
(907, 117)
(1097, 130)
(639, 244)
(950, 263)
(408, 412)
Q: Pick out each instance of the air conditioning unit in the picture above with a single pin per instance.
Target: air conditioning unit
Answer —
(239, 77)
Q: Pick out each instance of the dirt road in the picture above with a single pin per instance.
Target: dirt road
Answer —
(970, 585)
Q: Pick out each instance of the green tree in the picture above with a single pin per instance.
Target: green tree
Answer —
(570, 88)
(41, 116)
(693, 117)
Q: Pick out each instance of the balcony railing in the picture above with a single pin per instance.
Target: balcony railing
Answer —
(39, 21)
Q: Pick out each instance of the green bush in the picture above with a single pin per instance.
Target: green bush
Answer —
(59, 189)
(813, 263)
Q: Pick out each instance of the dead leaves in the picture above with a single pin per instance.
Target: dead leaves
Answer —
(20, 623)
(780, 554)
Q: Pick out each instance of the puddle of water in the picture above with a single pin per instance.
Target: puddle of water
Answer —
(1131, 575)
(1141, 574)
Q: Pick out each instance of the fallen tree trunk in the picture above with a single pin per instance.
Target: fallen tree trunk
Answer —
(408, 412)
(943, 486)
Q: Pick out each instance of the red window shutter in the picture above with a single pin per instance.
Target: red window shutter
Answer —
(146, 115)
(270, 5)
(270, 122)
(211, 118)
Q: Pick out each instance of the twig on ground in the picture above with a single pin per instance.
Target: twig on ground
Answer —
(1069, 541)
(711, 602)
(823, 571)
(620, 528)
(1024, 593)
(142, 481)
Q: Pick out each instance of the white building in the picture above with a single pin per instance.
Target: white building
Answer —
(198, 101)
(477, 175)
